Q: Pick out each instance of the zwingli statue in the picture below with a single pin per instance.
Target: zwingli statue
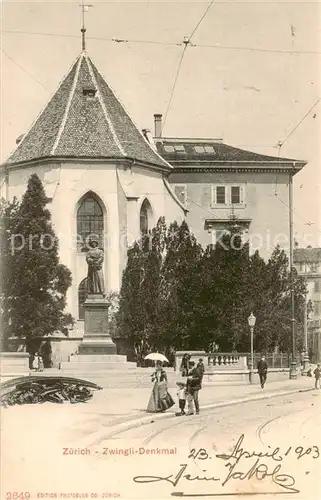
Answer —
(97, 339)
(95, 277)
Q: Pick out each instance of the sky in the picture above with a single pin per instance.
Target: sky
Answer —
(250, 98)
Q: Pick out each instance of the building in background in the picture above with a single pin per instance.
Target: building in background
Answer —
(224, 186)
(105, 177)
(307, 262)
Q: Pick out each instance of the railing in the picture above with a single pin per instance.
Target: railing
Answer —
(224, 359)
(274, 360)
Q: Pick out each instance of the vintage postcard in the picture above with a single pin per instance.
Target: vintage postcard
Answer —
(160, 273)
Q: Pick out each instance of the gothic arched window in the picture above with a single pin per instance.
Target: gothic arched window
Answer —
(145, 217)
(82, 296)
(90, 222)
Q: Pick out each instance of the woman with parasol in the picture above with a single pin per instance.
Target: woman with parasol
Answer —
(160, 399)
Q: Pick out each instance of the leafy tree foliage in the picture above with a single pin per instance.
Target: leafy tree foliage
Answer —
(175, 295)
(35, 283)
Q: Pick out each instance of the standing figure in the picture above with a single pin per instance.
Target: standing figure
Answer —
(40, 363)
(184, 365)
(317, 374)
(95, 277)
(35, 362)
(193, 386)
(181, 394)
(160, 399)
(262, 368)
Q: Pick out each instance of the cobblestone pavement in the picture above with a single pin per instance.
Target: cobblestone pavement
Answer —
(39, 443)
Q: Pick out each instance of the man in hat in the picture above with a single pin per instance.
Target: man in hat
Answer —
(95, 277)
(193, 386)
(262, 369)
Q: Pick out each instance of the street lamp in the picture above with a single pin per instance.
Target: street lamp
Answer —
(251, 319)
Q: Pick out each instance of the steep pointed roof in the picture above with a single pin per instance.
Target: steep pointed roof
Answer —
(84, 119)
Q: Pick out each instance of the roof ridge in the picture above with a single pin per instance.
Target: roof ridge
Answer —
(101, 101)
(64, 119)
(132, 120)
(38, 115)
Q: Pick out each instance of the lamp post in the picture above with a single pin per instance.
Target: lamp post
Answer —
(251, 319)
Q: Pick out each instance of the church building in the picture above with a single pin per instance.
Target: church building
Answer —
(106, 178)
(102, 176)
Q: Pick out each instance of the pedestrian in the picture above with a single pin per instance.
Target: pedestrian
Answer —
(35, 362)
(181, 394)
(160, 399)
(201, 366)
(317, 374)
(184, 365)
(40, 364)
(193, 386)
(262, 368)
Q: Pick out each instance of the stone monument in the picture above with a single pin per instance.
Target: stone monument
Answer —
(97, 339)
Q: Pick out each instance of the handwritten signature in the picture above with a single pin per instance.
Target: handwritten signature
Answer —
(238, 468)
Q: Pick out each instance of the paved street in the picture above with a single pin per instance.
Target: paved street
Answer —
(284, 429)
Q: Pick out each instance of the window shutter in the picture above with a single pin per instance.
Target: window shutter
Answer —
(213, 195)
(242, 200)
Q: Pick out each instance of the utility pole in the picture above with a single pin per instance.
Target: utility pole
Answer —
(293, 369)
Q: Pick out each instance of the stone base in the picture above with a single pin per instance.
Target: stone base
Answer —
(96, 337)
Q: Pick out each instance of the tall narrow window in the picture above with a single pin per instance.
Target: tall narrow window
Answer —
(90, 222)
(145, 217)
(82, 296)
(219, 195)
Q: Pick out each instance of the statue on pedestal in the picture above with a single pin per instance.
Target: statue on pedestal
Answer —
(95, 277)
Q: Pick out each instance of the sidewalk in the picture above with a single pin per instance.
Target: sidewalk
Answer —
(122, 405)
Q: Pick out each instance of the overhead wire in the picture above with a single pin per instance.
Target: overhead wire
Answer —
(174, 86)
(24, 70)
(173, 44)
(298, 124)
(186, 42)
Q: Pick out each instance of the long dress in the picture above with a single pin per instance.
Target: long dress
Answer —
(160, 399)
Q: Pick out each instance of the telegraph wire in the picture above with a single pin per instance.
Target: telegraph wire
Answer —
(186, 42)
(280, 144)
(202, 19)
(255, 49)
(173, 44)
(24, 70)
(174, 85)
(296, 214)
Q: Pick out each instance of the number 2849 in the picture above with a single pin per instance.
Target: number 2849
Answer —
(17, 495)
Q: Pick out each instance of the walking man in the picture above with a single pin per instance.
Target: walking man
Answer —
(193, 386)
(262, 368)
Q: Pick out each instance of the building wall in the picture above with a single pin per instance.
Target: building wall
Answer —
(262, 195)
(120, 193)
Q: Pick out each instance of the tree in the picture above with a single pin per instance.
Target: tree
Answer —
(180, 288)
(36, 298)
(8, 218)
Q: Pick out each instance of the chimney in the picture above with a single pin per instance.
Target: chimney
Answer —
(158, 125)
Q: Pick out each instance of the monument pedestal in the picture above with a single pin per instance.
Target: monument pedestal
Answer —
(97, 339)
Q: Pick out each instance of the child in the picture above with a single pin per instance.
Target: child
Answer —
(181, 394)
(35, 363)
(317, 373)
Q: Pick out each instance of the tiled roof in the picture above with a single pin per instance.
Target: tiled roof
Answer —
(77, 125)
(187, 152)
(307, 255)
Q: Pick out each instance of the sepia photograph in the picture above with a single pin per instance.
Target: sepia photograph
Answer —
(160, 249)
